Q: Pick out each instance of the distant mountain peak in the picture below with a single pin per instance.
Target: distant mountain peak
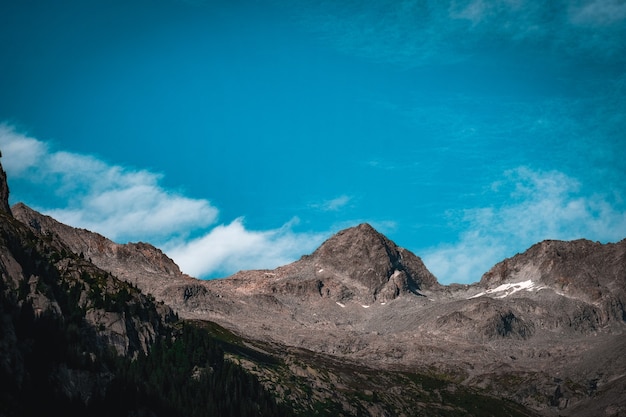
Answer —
(368, 258)
(353, 239)
(580, 268)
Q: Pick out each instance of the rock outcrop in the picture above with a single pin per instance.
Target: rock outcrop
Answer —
(4, 191)
(364, 256)
(591, 272)
(580, 268)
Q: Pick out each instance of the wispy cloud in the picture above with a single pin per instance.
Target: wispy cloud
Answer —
(128, 204)
(334, 204)
(541, 205)
(416, 32)
(598, 12)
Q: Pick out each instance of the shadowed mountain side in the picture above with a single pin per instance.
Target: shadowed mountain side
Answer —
(77, 341)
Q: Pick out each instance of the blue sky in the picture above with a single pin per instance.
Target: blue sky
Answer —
(241, 134)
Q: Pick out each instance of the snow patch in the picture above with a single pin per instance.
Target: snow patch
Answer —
(505, 290)
(340, 305)
(364, 306)
(321, 270)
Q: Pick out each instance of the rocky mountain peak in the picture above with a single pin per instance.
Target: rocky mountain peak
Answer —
(4, 191)
(369, 258)
(580, 268)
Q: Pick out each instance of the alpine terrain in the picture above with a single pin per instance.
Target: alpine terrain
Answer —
(358, 327)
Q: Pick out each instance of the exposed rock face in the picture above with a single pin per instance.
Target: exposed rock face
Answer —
(39, 269)
(587, 271)
(57, 282)
(58, 304)
(366, 257)
(140, 264)
(580, 268)
(4, 191)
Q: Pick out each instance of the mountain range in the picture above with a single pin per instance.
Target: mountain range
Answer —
(358, 327)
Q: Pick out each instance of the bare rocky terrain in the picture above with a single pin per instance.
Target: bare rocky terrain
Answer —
(545, 328)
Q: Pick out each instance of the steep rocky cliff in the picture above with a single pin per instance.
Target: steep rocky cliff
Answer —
(77, 341)
(41, 272)
(60, 316)
(4, 191)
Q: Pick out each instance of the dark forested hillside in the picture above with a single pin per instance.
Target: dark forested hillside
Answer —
(186, 375)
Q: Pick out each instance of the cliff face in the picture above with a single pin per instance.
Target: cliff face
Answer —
(61, 316)
(592, 273)
(40, 272)
(4, 191)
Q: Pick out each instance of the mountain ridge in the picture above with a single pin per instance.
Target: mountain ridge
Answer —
(360, 297)
(574, 267)
(139, 263)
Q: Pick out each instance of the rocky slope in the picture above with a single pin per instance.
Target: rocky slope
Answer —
(41, 270)
(140, 264)
(77, 341)
(544, 328)
(60, 316)
(580, 269)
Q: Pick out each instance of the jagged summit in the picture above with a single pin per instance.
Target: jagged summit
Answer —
(371, 258)
(368, 257)
(358, 238)
(4, 191)
(357, 265)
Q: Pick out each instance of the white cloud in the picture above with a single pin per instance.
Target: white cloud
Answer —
(543, 205)
(122, 203)
(20, 152)
(117, 202)
(229, 248)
